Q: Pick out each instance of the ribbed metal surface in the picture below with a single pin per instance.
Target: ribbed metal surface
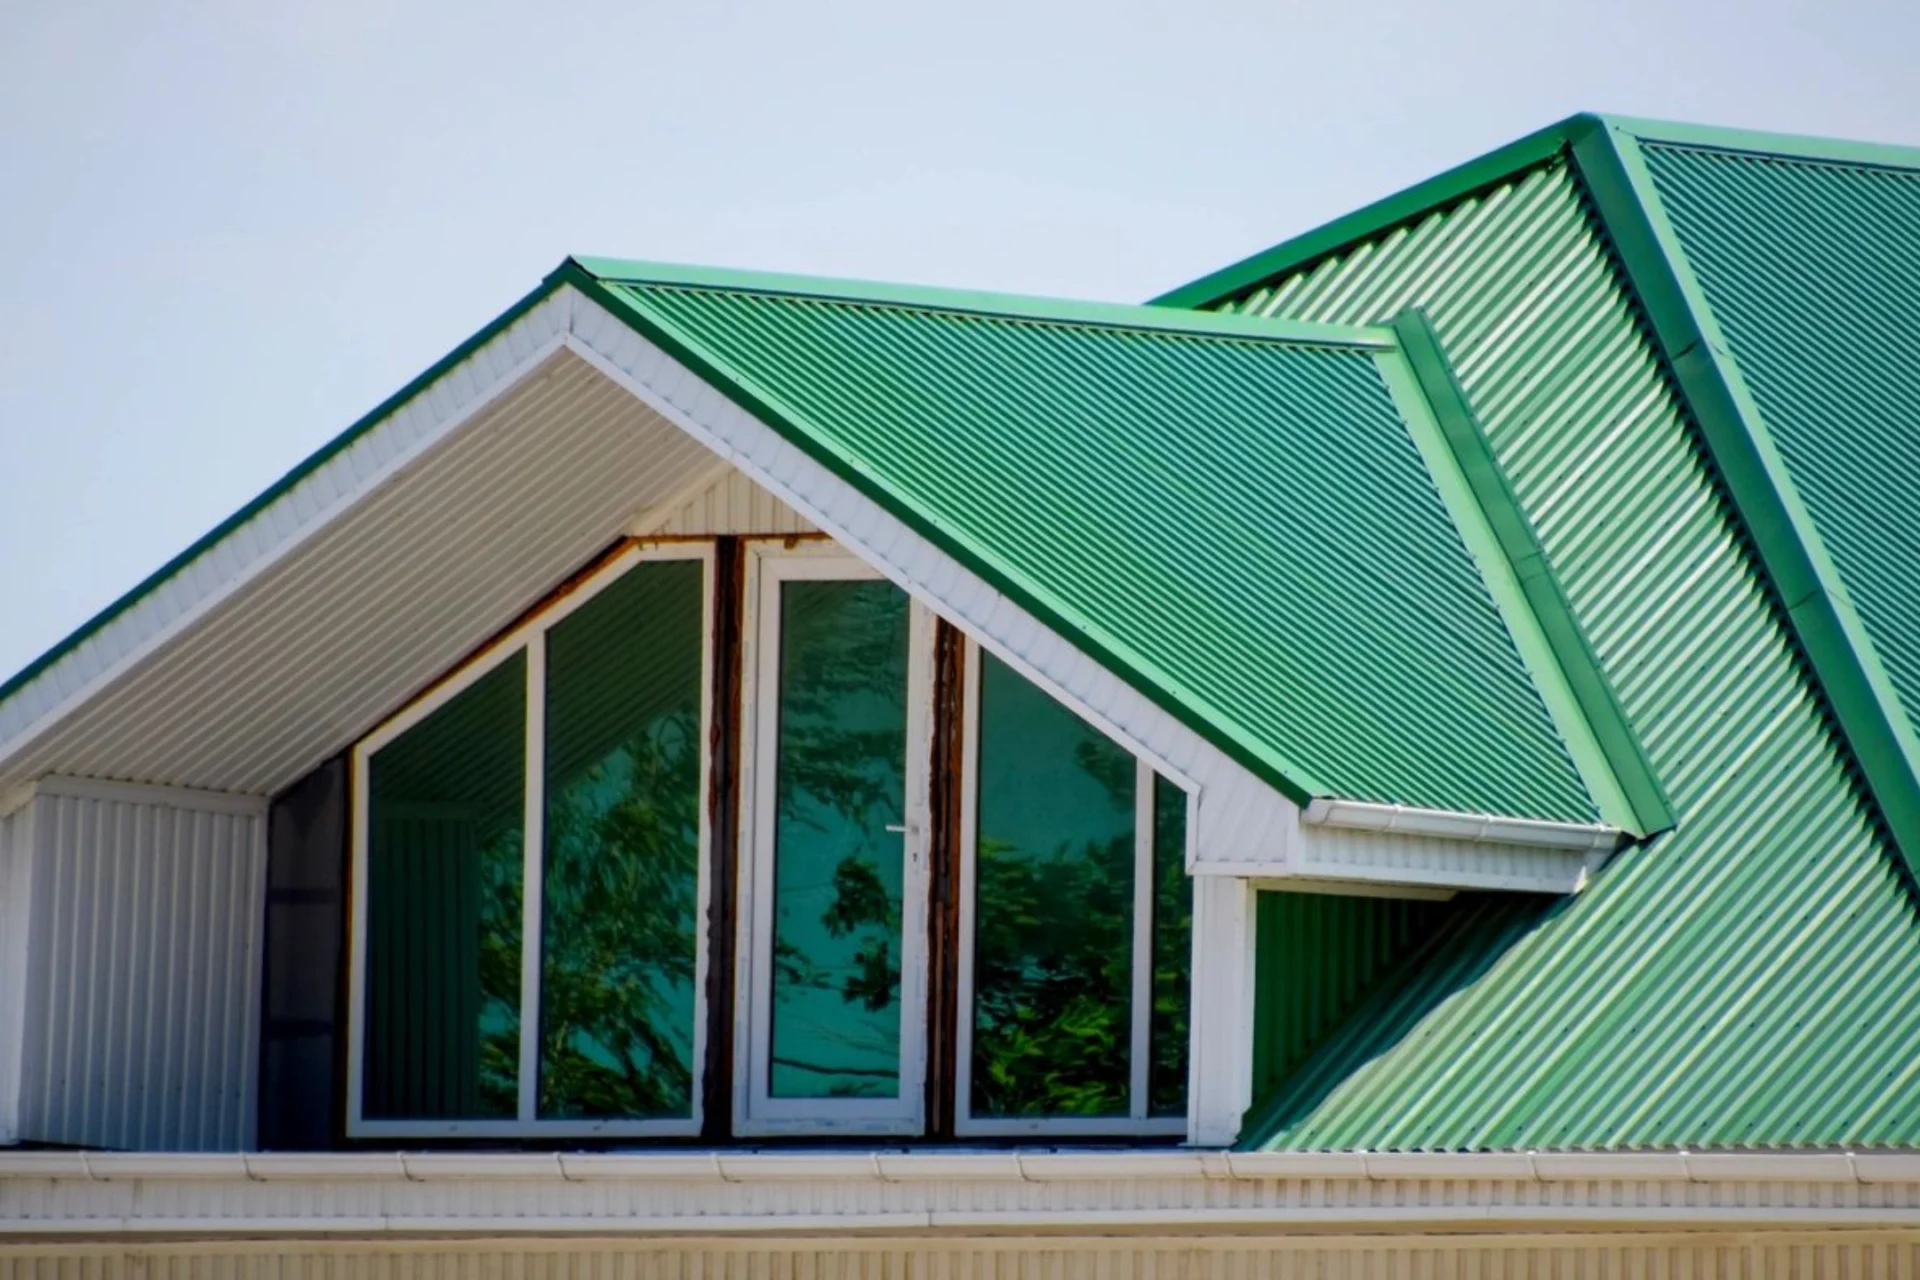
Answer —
(143, 973)
(14, 915)
(1319, 955)
(1752, 978)
(1812, 270)
(1245, 523)
(386, 596)
(732, 504)
(1466, 1258)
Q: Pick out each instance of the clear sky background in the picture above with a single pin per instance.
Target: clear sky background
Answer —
(227, 230)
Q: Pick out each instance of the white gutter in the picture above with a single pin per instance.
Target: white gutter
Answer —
(75, 1196)
(739, 1167)
(1445, 824)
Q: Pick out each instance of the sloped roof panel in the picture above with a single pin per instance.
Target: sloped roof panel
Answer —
(1747, 979)
(1232, 513)
(1812, 270)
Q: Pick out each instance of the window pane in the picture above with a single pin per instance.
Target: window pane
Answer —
(841, 780)
(620, 898)
(1172, 953)
(1053, 908)
(446, 810)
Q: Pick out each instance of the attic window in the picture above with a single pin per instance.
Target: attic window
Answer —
(552, 791)
(534, 867)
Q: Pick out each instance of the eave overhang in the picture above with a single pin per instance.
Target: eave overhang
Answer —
(565, 343)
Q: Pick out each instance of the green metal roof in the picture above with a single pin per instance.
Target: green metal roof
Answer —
(1752, 977)
(1236, 515)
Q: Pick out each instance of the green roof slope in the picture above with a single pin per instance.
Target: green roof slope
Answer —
(1750, 978)
(1232, 514)
(1799, 265)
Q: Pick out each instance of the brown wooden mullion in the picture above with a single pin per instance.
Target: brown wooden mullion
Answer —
(943, 915)
(723, 817)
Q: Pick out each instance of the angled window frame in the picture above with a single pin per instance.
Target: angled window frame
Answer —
(529, 637)
(1138, 1122)
(771, 563)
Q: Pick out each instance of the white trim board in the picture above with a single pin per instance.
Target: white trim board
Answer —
(757, 1112)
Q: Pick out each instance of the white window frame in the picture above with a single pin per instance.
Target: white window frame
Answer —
(1137, 1122)
(531, 638)
(769, 564)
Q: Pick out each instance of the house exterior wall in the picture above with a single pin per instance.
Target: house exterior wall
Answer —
(1657, 1257)
(136, 977)
(958, 1216)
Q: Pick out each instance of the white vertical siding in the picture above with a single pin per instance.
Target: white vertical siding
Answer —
(15, 905)
(139, 1027)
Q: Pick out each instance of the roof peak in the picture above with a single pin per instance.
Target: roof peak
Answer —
(1501, 164)
(1070, 311)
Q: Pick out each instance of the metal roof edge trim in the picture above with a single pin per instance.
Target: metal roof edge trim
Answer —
(1477, 828)
(1579, 697)
(1839, 655)
(1405, 205)
(1785, 146)
(1010, 306)
(1292, 782)
(1497, 573)
(300, 470)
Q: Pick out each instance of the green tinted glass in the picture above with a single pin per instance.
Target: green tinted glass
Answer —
(446, 811)
(1053, 909)
(621, 896)
(841, 782)
(1172, 953)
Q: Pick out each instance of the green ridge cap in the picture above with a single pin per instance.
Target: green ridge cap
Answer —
(1413, 202)
(1551, 643)
(1009, 306)
(1839, 654)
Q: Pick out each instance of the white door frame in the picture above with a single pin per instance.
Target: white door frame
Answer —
(770, 564)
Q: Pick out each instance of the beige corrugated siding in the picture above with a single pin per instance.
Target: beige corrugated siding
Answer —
(1459, 1258)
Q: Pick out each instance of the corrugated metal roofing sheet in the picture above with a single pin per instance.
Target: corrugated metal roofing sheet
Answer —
(1751, 978)
(1232, 514)
(1812, 271)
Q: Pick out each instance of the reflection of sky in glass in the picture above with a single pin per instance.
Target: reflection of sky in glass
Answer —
(838, 871)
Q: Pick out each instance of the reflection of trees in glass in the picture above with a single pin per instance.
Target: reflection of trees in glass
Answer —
(1053, 909)
(622, 910)
(839, 873)
(1172, 953)
(622, 875)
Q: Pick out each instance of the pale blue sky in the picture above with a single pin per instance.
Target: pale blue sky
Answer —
(230, 229)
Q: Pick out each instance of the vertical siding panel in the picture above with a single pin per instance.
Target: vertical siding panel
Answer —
(142, 966)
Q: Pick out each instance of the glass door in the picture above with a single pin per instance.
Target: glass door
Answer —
(835, 825)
